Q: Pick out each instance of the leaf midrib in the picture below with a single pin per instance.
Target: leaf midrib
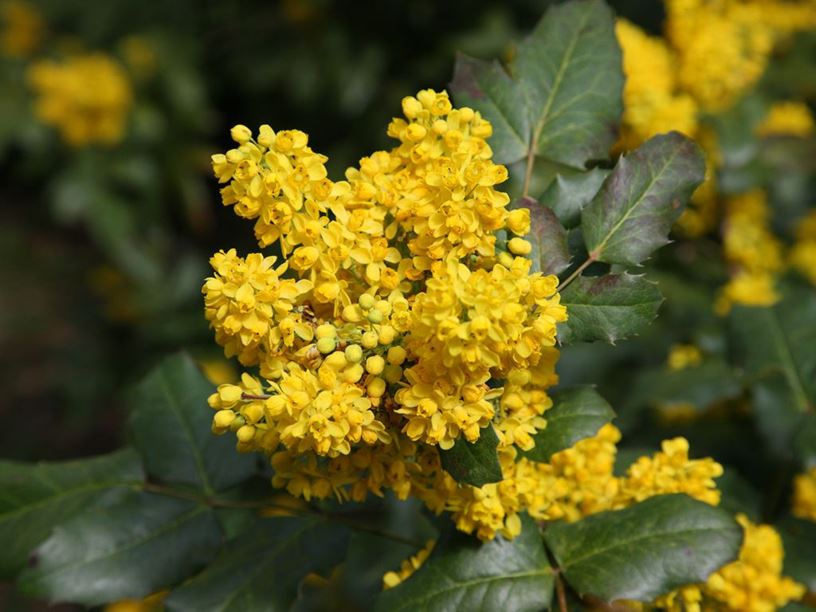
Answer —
(176, 522)
(637, 540)
(598, 250)
(792, 373)
(469, 583)
(174, 404)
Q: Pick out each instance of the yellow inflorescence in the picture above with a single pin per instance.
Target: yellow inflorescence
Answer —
(22, 28)
(86, 97)
(753, 252)
(398, 325)
(711, 54)
(788, 119)
(682, 356)
(804, 495)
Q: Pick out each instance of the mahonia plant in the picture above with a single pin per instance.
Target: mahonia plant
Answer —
(401, 331)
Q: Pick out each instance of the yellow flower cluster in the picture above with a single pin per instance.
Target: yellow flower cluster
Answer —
(682, 356)
(395, 327)
(752, 583)
(753, 252)
(788, 119)
(803, 251)
(804, 495)
(712, 52)
(408, 567)
(23, 28)
(375, 339)
(86, 97)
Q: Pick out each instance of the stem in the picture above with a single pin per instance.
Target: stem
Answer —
(562, 593)
(528, 170)
(253, 396)
(577, 272)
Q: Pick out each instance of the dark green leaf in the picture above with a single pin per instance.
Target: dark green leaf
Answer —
(36, 497)
(464, 574)
(645, 550)
(576, 414)
(700, 386)
(550, 254)
(775, 347)
(474, 463)
(568, 194)
(608, 308)
(632, 214)
(570, 70)
(799, 539)
(170, 423)
(261, 570)
(564, 100)
(139, 545)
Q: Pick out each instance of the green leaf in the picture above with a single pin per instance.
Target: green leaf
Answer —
(799, 540)
(550, 254)
(632, 214)
(261, 569)
(36, 497)
(576, 414)
(711, 381)
(474, 463)
(608, 308)
(570, 70)
(645, 550)
(563, 101)
(139, 545)
(775, 347)
(465, 574)
(568, 194)
(170, 423)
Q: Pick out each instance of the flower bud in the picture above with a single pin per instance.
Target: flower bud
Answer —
(375, 364)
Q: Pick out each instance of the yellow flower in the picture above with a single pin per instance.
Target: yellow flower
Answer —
(682, 356)
(408, 567)
(23, 28)
(671, 471)
(754, 582)
(86, 97)
(804, 495)
(787, 119)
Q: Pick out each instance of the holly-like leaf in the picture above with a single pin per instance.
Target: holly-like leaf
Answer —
(563, 101)
(139, 545)
(487, 87)
(568, 194)
(775, 345)
(550, 254)
(261, 569)
(645, 550)
(474, 463)
(640, 200)
(576, 414)
(608, 308)
(36, 497)
(465, 574)
(171, 428)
